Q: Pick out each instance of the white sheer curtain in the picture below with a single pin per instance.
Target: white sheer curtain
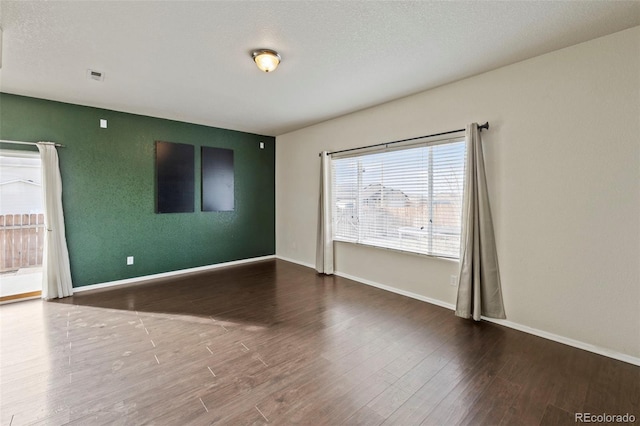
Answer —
(324, 246)
(479, 291)
(56, 273)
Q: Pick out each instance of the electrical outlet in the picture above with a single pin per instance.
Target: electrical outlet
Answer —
(453, 281)
(261, 145)
(103, 123)
(129, 260)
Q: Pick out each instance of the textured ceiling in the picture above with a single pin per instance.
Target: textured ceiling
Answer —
(190, 60)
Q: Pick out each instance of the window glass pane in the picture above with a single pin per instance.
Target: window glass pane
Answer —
(408, 199)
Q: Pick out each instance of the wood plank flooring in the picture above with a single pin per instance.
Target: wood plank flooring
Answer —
(274, 343)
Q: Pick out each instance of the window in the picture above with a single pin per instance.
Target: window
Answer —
(407, 199)
(22, 230)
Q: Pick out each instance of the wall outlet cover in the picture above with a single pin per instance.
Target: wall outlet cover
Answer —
(95, 75)
(129, 260)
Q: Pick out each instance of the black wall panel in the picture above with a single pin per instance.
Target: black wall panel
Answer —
(175, 177)
(217, 179)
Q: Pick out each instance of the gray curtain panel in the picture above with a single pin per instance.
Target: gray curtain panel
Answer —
(324, 246)
(479, 291)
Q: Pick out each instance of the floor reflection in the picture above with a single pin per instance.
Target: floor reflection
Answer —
(240, 295)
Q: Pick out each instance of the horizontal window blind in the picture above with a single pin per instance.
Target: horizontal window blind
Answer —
(408, 199)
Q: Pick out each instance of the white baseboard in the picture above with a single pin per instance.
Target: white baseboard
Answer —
(526, 329)
(567, 341)
(146, 278)
(308, 265)
(398, 291)
(22, 299)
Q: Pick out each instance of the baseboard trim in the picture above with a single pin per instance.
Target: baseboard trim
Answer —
(567, 341)
(286, 259)
(398, 291)
(20, 297)
(505, 323)
(180, 272)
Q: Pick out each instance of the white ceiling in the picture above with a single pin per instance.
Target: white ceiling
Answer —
(190, 61)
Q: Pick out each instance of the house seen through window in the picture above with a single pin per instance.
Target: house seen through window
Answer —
(22, 231)
(407, 199)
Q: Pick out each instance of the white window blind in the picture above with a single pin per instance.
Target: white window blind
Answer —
(408, 199)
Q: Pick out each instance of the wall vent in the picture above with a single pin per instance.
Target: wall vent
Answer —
(95, 75)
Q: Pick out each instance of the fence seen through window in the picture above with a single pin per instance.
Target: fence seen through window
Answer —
(407, 199)
(22, 229)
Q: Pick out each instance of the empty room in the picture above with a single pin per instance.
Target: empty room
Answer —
(319, 212)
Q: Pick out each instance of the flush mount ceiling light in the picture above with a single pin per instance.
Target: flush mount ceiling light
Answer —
(267, 60)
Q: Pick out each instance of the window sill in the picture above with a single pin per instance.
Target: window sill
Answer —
(413, 253)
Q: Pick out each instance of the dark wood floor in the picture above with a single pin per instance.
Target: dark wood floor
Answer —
(272, 342)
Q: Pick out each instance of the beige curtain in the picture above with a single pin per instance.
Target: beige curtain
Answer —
(324, 246)
(479, 291)
(56, 273)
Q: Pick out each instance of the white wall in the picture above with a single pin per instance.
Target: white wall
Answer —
(563, 165)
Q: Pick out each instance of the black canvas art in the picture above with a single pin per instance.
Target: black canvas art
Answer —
(217, 179)
(175, 177)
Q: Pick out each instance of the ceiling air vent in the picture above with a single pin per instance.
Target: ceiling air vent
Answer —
(95, 75)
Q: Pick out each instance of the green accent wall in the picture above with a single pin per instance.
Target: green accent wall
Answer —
(108, 178)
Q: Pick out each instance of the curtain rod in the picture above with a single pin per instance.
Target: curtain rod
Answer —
(27, 143)
(480, 127)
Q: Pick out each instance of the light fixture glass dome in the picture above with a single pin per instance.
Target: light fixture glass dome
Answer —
(267, 60)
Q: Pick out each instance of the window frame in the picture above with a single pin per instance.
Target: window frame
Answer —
(427, 142)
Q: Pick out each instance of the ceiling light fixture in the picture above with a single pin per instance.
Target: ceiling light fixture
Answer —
(266, 59)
